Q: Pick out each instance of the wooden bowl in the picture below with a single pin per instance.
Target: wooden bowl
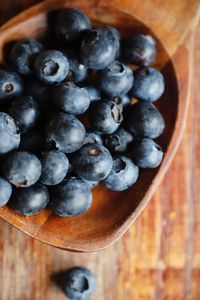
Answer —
(112, 213)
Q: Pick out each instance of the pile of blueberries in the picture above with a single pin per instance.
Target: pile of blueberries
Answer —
(76, 116)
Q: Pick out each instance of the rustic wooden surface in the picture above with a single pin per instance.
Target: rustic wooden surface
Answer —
(158, 258)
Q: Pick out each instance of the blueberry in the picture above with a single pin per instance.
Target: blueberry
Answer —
(5, 191)
(91, 184)
(119, 141)
(32, 141)
(123, 175)
(23, 53)
(93, 92)
(31, 200)
(54, 167)
(72, 197)
(71, 98)
(99, 48)
(40, 92)
(9, 134)
(25, 111)
(123, 100)
(22, 169)
(146, 153)
(71, 25)
(139, 49)
(93, 162)
(93, 137)
(65, 132)
(77, 71)
(105, 116)
(80, 283)
(51, 66)
(116, 79)
(145, 120)
(118, 40)
(148, 84)
(11, 85)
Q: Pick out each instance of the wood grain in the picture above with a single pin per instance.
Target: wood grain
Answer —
(157, 259)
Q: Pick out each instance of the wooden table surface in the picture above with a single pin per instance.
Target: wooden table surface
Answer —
(158, 258)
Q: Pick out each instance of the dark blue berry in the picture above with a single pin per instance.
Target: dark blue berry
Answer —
(145, 120)
(71, 25)
(146, 153)
(123, 175)
(93, 162)
(70, 98)
(99, 48)
(119, 141)
(5, 191)
(40, 92)
(54, 167)
(65, 132)
(118, 40)
(23, 53)
(139, 49)
(72, 197)
(148, 84)
(9, 134)
(80, 283)
(51, 66)
(93, 137)
(22, 169)
(93, 92)
(31, 200)
(11, 85)
(25, 111)
(116, 79)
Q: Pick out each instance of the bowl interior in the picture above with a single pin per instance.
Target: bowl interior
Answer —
(110, 209)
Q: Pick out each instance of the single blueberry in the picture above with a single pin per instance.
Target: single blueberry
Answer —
(32, 141)
(99, 48)
(145, 120)
(22, 169)
(40, 92)
(80, 283)
(71, 25)
(9, 134)
(72, 197)
(54, 167)
(70, 98)
(119, 141)
(11, 85)
(92, 162)
(92, 137)
(146, 153)
(148, 84)
(31, 200)
(105, 116)
(93, 92)
(25, 111)
(116, 79)
(123, 175)
(139, 49)
(65, 132)
(5, 191)
(23, 53)
(51, 66)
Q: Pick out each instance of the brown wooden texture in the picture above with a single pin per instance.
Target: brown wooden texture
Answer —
(157, 259)
(112, 213)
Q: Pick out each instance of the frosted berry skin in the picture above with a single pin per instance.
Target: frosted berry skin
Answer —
(5, 191)
(23, 53)
(9, 134)
(72, 197)
(79, 284)
(31, 200)
(145, 120)
(146, 154)
(11, 85)
(93, 92)
(51, 66)
(123, 175)
(71, 25)
(139, 49)
(117, 79)
(92, 162)
(22, 169)
(99, 48)
(148, 84)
